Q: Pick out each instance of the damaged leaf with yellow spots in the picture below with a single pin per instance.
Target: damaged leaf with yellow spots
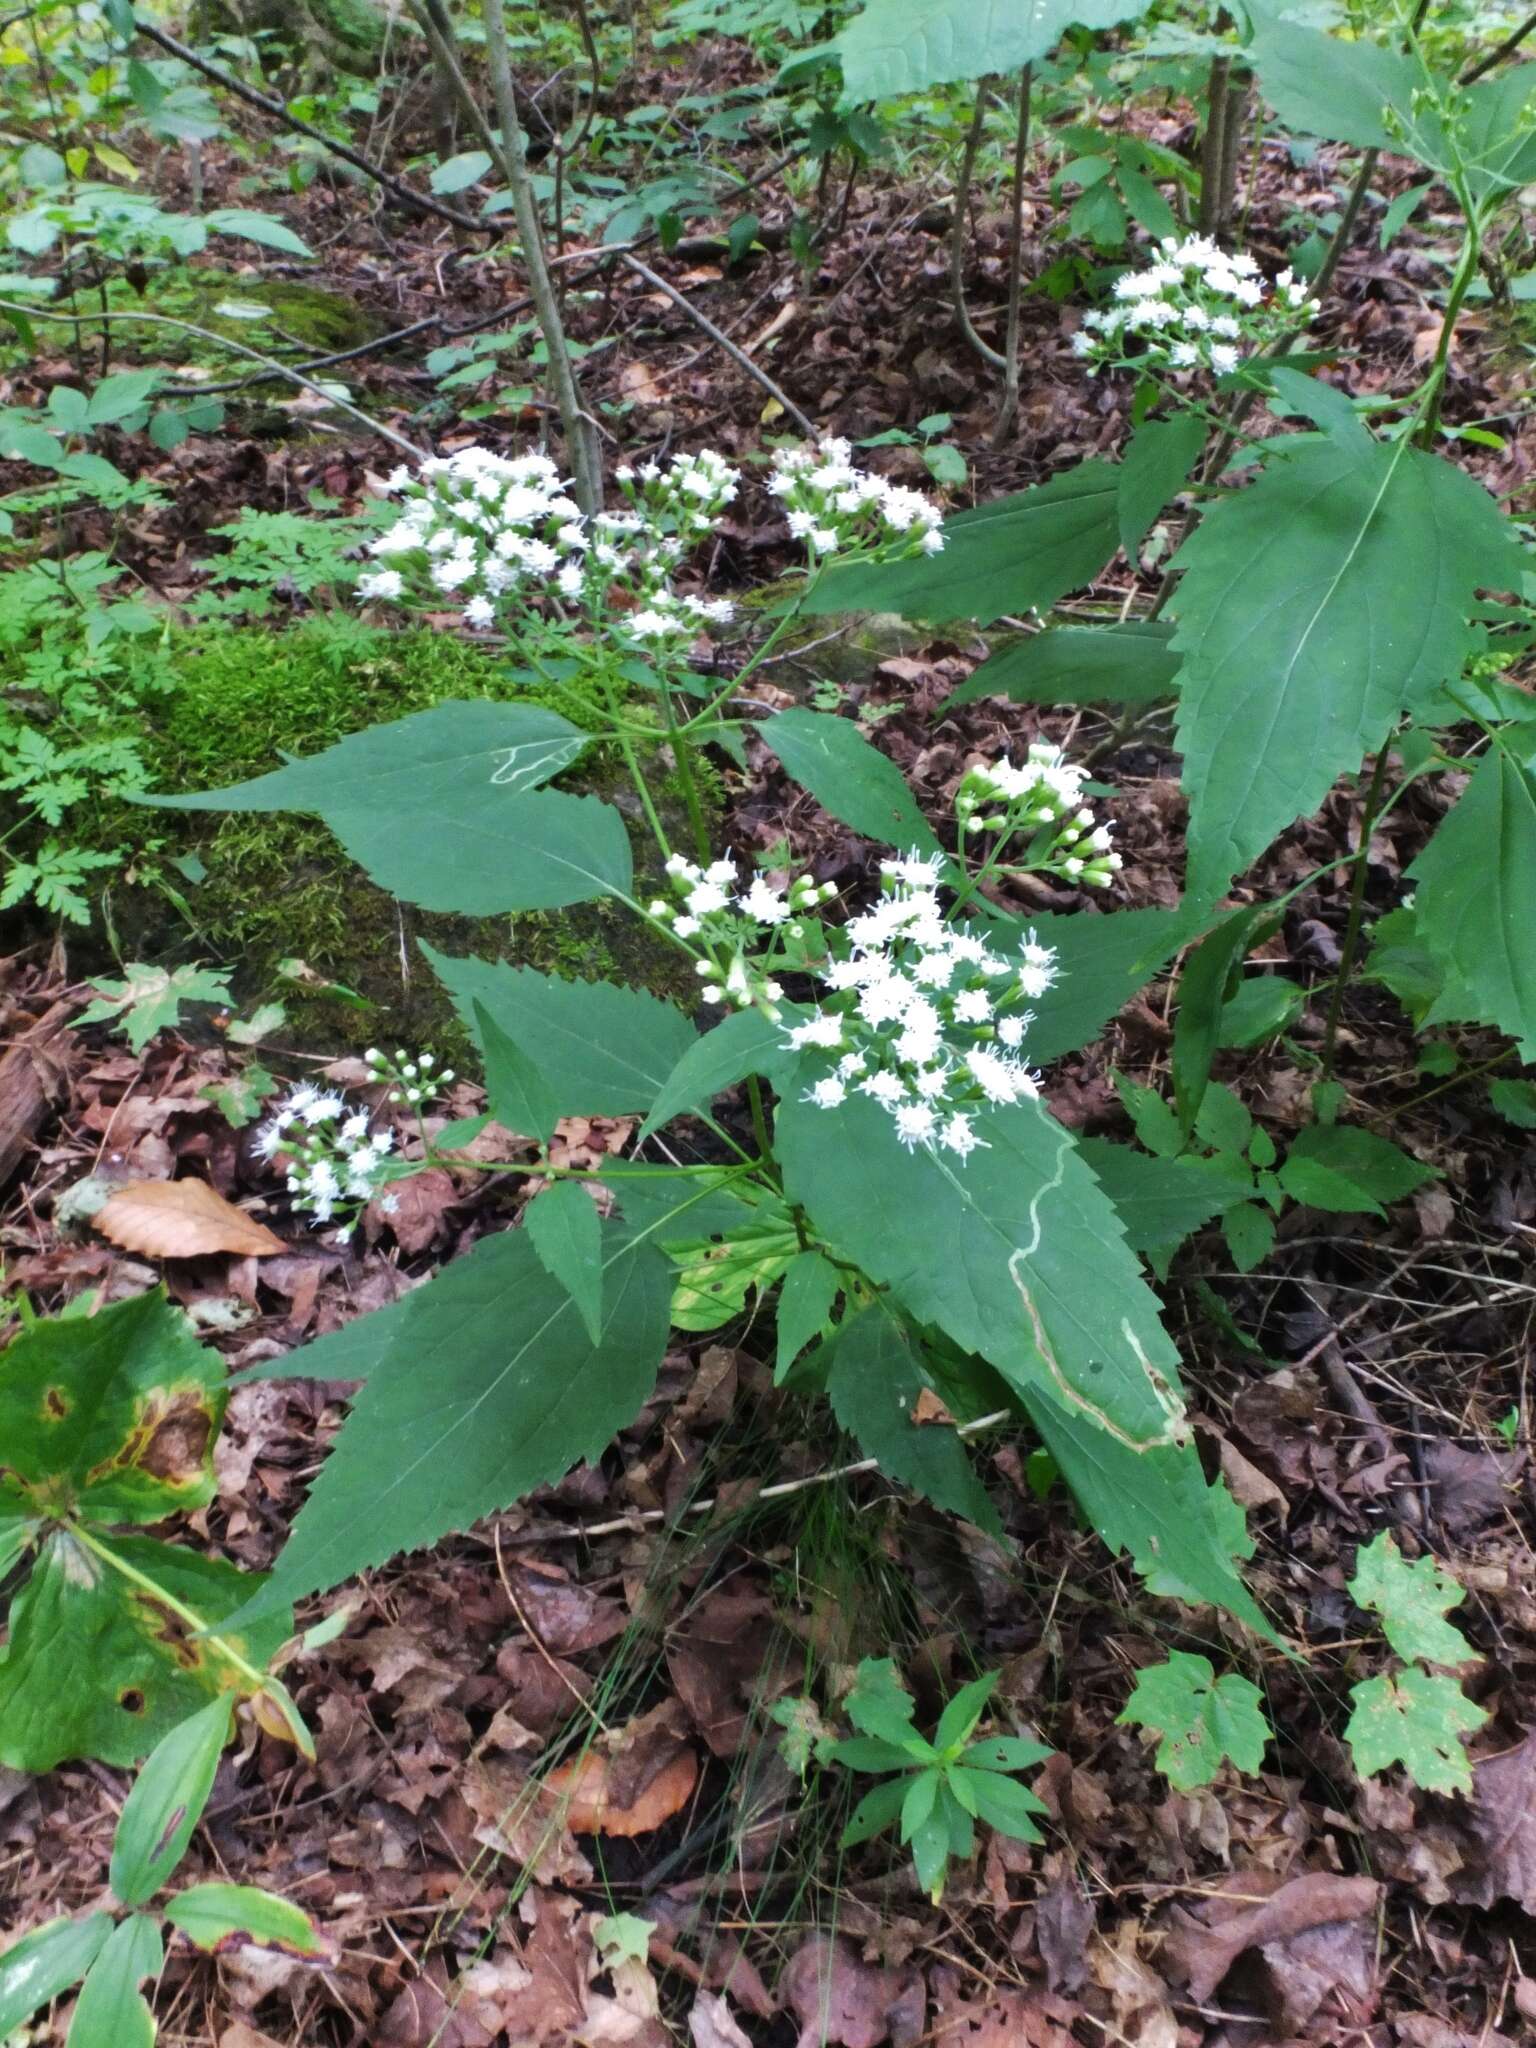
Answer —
(106, 1421)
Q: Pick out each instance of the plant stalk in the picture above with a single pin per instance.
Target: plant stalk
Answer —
(1351, 944)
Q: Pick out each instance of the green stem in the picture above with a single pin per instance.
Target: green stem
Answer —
(1351, 945)
(682, 754)
(1461, 284)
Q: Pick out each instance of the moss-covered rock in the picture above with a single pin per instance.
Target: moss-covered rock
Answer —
(319, 321)
(264, 889)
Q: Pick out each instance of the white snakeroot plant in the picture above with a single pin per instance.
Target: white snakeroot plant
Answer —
(1197, 307)
(739, 937)
(1043, 799)
(337, 1157)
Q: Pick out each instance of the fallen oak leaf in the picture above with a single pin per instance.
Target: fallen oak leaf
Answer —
(182, 1219)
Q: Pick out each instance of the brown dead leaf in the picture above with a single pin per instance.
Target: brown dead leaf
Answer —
(645, 1775)
(638, 383)
(714, 1660)
(1498, 1837)
(712, 2024)
(181, 1219)
(842, 2001)
(929, 1408)
(1202, 1947)
(1470, 1489)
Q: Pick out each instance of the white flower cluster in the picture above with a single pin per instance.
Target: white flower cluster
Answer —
(337, 1161)
(1196, 308)
(727, 925)
(923, 1016)
(1044, 798)
(835, 508)
(496, 533)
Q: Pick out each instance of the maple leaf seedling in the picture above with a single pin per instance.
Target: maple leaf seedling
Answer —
(1201, 1719)
(1413, 1717)
(936, 1790)
(1412, 1601)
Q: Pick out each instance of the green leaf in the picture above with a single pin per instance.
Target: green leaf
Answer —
(446, 809)
(1224, 1122)
(1156, 464)
(917, 1807)
(961, 1714)
(219, 1916)
(1122, 664)
(931, 1846)
(1002, 1804)
(114, 398)
(1412, 1600)
(1250, 1234)
(1334, 1166)
(1155, 1125)
(468, 168)
(45, 1963)
(567, 1234)
(715, 1277)
(487, 1385)
(1102, 961)
(110, 2011)
(880, 1705)
(746, 1042)
(149, 999)
(1314, 606)
(869, 1753)
(875, 1812)
(1157, 1505)
(602, 1050)
(519, 1096)
(848, 777)
(1415, 1719)
(113, 1416)
(256, 227)
(1515, 1101)
(1016, 554)
(1023, 1219)
(1260, 1008)
(877, 1374)
(1230, 1526)
(96, 1666)
(1005, 1753)
(1324, 85)
(167, 1802)
(811, 1284)
(1200, 1717)
(1159, 1201)
(900, 46)
(1475, 905)
(1202, 994)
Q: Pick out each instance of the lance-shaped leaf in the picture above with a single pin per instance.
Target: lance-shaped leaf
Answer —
(849, 777)
(746, 1042)
(45, 1963)
(1157, 463)
(566, 1232)
(221, 1916)
(602, 1050)
(112, 1416)
(111, 2011)
(878, 1374)
(1015, 554)
(167, 1802)
(901, 46)
(1314, 607)
(98, 1664)
(487, 1385)
(1132, 663)
(1475, 908)
(993, 1253)
(446, 809)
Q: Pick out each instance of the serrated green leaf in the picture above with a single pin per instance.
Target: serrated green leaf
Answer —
(1229, 1527)
(166, 1803)
(219, 1916)
(1250, 1234)
(46, 1963)
(878, 1810)
(567, 1234)
(811, 1285)
(445, 809)
(1335, 1166)
(1412, 1601)
(1415, 1719)
(1202, 994)
(486, 1386)
(1024, 1218)
(149, 999)
(744, 1043)
(1130, 663)
(520, 1097)
(848, 777)
(901, 46)
(1159, 1201)
(1016, 554)
(1102, 962)
(1314, 606)
(111, 2012)
(601, 1049)
(1475, 904)
(1200, 1717)
(879, 1704)
(1515, 1101)
(877, 1375)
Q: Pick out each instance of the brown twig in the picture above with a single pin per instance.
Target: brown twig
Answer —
(722, 340)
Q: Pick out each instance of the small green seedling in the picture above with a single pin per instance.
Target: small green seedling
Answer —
(940, 1788)
(1412, 1717)
(149, 999)
(109, 1955)
(1200, 1717)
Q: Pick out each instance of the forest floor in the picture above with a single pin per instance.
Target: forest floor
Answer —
(1359, 1380)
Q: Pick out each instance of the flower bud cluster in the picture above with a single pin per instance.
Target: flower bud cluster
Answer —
(924, 1016)
(835, 508)
(1043, 798)
(737, 933)
(336, 1161)
(1197, 307)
